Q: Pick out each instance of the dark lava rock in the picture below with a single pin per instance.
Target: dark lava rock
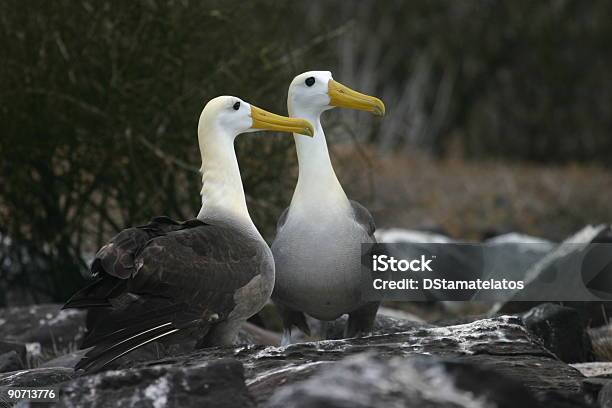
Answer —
(592, 387)
(562, 330)
(68, 360)
(37, 377)
(566, 267)
(10, 361)
(369, 381)
(513, 253)
(214, 384)
(19, 348)
(53, 329)
(605, 396)
(502, 344)
(382, 325)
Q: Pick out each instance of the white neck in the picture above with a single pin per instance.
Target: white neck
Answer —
(317, 182)
(222, 192)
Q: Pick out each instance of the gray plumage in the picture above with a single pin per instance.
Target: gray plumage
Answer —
(317, 249)
(318, 267)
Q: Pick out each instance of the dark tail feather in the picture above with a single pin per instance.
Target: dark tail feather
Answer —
(101, 356)
(103, 348)
(113, 338)
(111, 330)
(96, 294)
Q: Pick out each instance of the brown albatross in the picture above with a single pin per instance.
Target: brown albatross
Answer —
(200, 278)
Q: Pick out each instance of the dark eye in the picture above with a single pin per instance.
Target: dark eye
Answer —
(236, 106)
(310, 81)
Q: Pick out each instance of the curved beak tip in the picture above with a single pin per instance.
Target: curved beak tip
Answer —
(308, 131)
(264, 120)
(379, 109)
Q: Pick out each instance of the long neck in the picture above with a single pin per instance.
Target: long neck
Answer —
(317, 181)
(222, 192)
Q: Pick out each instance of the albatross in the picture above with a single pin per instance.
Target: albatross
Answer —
(197, 279)
(317, 249)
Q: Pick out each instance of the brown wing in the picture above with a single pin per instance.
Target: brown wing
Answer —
(117, 257)
(183, 280)
(114, 263)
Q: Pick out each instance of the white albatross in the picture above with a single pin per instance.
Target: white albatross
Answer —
(317, 249)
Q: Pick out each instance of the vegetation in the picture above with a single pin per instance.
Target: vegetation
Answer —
(471, 200)
(99, 103)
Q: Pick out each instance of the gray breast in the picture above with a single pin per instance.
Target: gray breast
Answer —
(252, 297)
(318, 264)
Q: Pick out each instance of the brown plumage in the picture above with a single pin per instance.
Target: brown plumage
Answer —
(166, 278)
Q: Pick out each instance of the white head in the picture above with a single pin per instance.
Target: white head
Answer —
(314, 92)
(229, 116)
(222, 119)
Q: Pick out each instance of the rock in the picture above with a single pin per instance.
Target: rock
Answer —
(214, 384)
(562, 330)
(454, 321)
(68, 360)
(501, 343)
(10, 361)
(605, 396)
(366, 380)
(259, 335)
(385, 324)
(592, 386)
(46, 328)
(37, 377)
(596, 369)
(400, 315)
(400, 235)
(450, 255)
(382, 325)
(565, 266)
(508, 256)
(513, 254)
(19, 348)
(524, 241)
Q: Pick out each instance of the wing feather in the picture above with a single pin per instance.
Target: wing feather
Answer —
(363, 217)
(178, 280)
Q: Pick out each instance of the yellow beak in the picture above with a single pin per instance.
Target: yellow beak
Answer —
(264, 120)
(345, 97)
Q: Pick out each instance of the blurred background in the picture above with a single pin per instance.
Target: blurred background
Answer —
(499, 117)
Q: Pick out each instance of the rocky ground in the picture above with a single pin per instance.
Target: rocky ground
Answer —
(494, 362)
(519, 354)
